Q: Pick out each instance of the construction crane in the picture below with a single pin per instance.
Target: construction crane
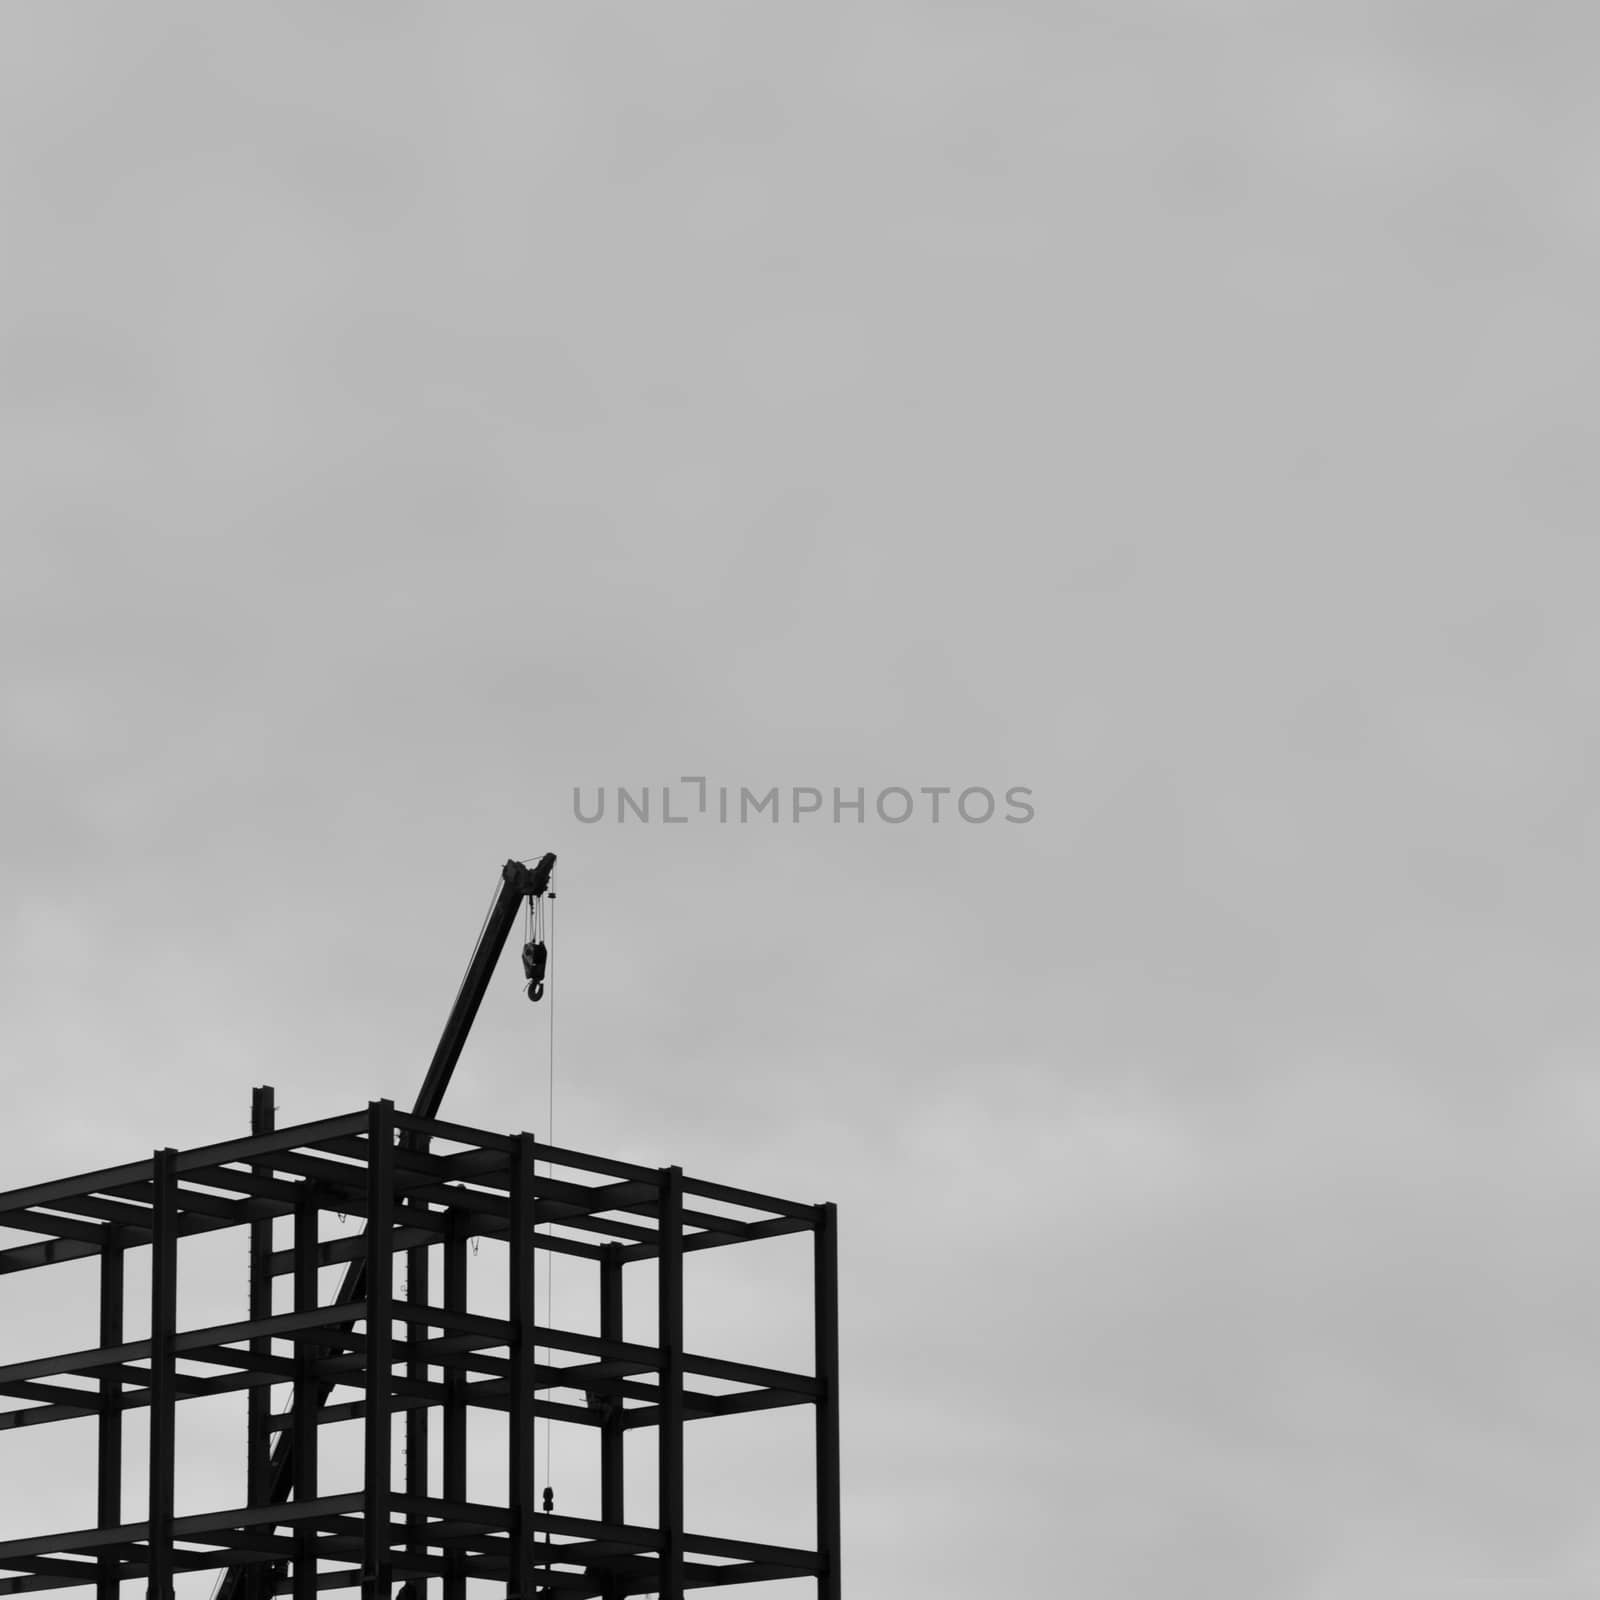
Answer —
(520, 885)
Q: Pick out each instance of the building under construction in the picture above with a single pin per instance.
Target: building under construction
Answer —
(412, 1366)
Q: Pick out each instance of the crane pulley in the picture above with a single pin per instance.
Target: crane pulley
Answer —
(535, 953)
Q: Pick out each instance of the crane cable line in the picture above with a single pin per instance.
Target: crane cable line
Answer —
(550, 1255)
(537, 932)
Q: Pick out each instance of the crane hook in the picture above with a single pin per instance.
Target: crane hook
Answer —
(534, 956)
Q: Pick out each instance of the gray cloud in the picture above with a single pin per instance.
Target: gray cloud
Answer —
(1182, 412)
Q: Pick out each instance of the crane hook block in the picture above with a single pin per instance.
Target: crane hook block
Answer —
(534, 956)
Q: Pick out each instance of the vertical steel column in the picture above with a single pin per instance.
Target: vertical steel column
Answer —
(611, 1433)
(454, 1453)
(258, 1436)
(108, 1497)
(669, 1228)
(163, 1368)
(825, 1299)
(417, 1416)
(376, 1576)
(307, 1399)
(520, 1568)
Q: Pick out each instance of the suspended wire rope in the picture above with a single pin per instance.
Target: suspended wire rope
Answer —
(542, 928)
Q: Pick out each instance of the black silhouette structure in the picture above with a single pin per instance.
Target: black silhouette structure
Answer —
(407, 1359)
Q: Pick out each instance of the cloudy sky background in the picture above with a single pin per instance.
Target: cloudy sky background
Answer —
(411, 412)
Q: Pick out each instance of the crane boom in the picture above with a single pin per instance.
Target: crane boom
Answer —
(518, 883)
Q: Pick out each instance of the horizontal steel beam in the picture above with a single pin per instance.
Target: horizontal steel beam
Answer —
(93, 1361)
(22, 1258)
(698, 1406)
(26, 1221)
(707, 1241)
(91, 1183)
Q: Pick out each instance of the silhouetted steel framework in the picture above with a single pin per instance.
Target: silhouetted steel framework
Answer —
(380, 1165)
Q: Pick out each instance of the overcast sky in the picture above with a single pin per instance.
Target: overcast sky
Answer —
(410, 413)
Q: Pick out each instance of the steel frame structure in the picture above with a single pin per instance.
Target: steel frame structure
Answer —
(446, 1361)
